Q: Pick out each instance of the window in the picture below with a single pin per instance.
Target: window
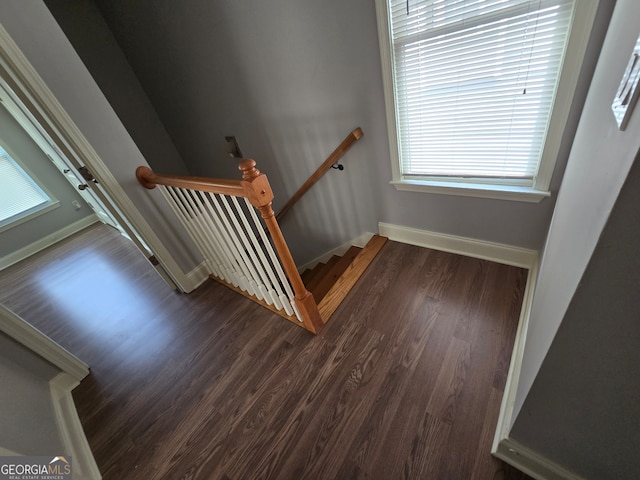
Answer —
(20, 196)
(471, 88)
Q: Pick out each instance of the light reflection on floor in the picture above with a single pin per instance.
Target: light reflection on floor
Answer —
(97, 299)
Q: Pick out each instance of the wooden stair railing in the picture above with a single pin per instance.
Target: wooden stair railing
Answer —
(240, 255)
(229, 242)
(331, 160)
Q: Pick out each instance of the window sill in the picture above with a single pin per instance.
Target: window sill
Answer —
(21, 219)
(500, 192)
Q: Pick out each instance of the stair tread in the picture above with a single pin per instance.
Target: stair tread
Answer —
(331, 275)
(348, 279)
(313, 283)
(309, 273)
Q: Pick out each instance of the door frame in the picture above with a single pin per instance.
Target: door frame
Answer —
(33, 93)
(31, 128)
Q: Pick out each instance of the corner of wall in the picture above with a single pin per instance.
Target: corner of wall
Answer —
(70, 428)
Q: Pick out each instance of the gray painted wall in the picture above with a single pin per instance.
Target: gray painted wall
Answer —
(598, 165)
(291, 78)
(583, 410)
(41, 40)
(27, 419)
(93, 41)
(19, 144)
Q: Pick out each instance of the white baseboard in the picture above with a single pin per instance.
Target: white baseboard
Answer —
(496, 252)
(32, 338)
(47, 241)
(359, 241)
(503, 447)
(532, 463)
(505, 418)
(196, 277)
(70, 429)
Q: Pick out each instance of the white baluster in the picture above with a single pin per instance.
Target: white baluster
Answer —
(275, 261)
(211, 224)
(253, 263)
(181, 212)
(184, 197)
(233, 243)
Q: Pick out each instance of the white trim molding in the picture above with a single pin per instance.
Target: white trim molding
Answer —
(471, 247)
(47, 241)
(503, 447)
(532, 463)
(582, 24)
(499, 192)
(73, 370)
(32, 338)
(70, 428)
(197, 277)
(505, 417)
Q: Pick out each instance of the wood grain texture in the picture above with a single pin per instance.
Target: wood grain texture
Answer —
(341, 288)
(321, 275)
(331, 276)
(404, 383)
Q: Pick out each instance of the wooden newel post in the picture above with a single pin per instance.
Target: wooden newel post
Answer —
(259, 193)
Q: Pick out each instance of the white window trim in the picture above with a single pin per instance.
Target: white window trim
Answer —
(30, 216)
(581, 26)
(23, 217)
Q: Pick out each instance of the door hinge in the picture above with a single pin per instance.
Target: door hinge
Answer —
(86, 174)
(153, 260)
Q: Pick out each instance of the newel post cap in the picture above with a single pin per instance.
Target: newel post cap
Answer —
(249, 170)
(257, 188)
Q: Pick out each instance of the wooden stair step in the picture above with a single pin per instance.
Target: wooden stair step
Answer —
(309, 273)
(313, 283)
(331, 275)
(338, 292)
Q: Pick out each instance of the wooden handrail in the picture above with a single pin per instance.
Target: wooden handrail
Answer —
(149, 179)
(346, 144)
(255, 187)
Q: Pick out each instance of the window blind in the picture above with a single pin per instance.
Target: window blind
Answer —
(18, 193)
(474, 85)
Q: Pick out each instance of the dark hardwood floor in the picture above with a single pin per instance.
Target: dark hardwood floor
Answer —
(405, 381)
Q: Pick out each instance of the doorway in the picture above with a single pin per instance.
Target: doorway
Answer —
(78, 176)
(49, 118)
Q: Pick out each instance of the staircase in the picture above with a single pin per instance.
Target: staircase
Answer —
(332, 281)
(249, 254)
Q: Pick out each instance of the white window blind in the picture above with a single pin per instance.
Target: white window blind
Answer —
(474, 83)
(19, 194)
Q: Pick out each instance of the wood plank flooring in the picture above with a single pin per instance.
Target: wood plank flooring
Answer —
(404, 382)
